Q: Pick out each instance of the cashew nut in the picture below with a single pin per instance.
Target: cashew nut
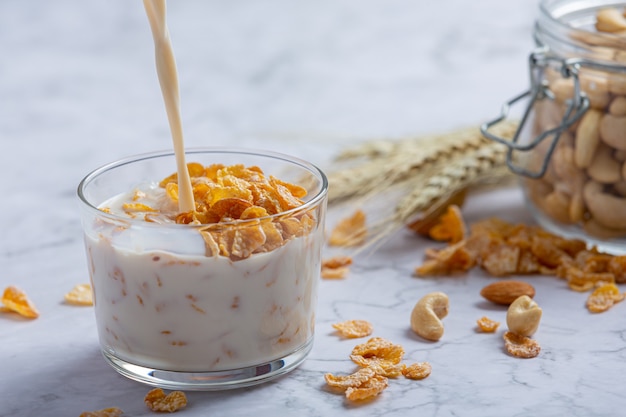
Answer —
(607, 209)
(587, 138)
(610, 20)
(617, 84)
(523, 316)
(557, 206)
(427, 314)
(618, 106)
(571, 179)
(613, 131)
(603, 168)
(596, 86)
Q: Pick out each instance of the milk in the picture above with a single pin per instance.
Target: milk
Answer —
(161, 303)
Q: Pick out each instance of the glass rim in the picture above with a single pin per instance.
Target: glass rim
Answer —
(313, 202)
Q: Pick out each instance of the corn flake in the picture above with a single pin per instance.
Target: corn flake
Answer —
(17, 301)
(80, 295)
(136, 207)
(335, 273)
(418, 370)
(450, 226)
(521, 346)
(581, 281)
(387, 370)
(350, 231)
(105, 412)
(453, 258)
(377, 351)
(603, 298)
(156, 400)
(371, 388)
(336, 267)
(486, 325)
(354, 328)
(356, 379)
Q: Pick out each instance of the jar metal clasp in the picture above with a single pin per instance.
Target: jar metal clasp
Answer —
(539, 89)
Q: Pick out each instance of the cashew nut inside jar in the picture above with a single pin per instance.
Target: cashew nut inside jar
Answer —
(570, 149)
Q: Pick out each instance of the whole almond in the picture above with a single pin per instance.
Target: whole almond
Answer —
(506, 291)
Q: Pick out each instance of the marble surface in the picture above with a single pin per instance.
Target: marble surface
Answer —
(78, 89)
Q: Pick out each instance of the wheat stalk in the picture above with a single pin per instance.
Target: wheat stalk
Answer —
(424, 172)
(392, 162)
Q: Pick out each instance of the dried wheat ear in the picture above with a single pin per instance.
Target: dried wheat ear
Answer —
(417, 176)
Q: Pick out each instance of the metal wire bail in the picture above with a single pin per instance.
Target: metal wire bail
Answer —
(540, 90)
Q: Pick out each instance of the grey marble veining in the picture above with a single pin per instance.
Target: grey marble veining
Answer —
(78, 89)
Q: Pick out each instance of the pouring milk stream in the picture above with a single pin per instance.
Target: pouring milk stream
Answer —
(168, 79)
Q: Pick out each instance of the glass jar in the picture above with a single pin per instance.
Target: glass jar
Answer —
(570, 146)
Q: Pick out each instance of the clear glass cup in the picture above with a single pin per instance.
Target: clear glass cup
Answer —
(171, 315)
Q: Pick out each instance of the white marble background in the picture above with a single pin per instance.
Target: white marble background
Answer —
(78, 89)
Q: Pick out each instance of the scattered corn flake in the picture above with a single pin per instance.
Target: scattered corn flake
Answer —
(451, 259)
(521, 346)
(80, 295)
(386, 369)
(502, 260)
(350, 231)
(354, 328)
(336, 262)
(603, 298)
(450, 226)
(371, 388)
(617, 266)
(336, 267)
(335, 273)
(581, 281)
(417, 370)
(486, 325)
(156, 400)
(353, 380)
(377, 351)
(105, 412)
(17, 301)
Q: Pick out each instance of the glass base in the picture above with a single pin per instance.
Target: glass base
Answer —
(210, 381)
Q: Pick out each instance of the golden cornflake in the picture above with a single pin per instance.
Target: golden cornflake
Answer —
(453, 258)
(486, 325)
(389, 370)
(350, 231)
(579, 280)
(336, 267)
(80, 295)
(417, 370)
(603, 298)
(224, 194)
(17, 301)
(156, 400)
(521, 346)
(136, 207)
(371, 388)
(356, 379)
(377, 351)
(335, 273)
(450, 226)
(354, 328)
(105, 412)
